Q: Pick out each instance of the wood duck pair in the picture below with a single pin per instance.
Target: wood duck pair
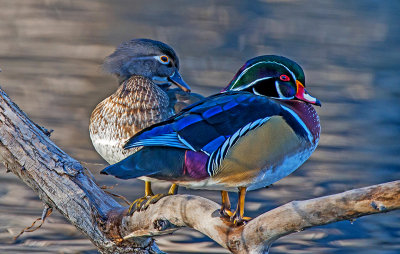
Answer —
(145, 70)
(258, 130)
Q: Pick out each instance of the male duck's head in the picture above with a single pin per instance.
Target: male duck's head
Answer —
(273, 76)
(148, 58)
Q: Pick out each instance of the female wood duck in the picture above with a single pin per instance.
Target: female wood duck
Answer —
(258, 130)
(145, 69)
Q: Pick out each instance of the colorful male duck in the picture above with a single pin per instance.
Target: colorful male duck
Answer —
(259, 130)
(145, 69)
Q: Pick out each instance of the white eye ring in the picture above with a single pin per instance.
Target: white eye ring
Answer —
(163, 59)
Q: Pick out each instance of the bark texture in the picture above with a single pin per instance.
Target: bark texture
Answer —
(64, 184)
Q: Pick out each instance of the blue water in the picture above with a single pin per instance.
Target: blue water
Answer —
(51, 52)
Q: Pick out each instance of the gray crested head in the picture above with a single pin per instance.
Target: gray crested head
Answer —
(144, 57)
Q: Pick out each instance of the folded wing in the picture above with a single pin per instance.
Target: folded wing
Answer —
(210, 123)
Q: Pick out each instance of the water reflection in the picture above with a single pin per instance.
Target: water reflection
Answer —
(51, 52)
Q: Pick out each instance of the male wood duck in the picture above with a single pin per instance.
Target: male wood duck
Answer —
(145, 70)
(258, 130)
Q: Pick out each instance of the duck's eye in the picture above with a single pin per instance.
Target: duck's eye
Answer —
(284, 77)
(164, 59)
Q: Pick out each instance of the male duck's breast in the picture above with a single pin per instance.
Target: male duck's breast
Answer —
(262, 156)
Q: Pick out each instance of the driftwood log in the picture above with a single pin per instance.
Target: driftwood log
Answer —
(64, 184)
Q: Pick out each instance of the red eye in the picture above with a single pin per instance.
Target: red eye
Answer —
(284, 77)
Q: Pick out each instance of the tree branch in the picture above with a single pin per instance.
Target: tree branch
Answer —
(64, 184)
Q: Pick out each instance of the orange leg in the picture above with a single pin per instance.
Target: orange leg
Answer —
(147, 189)
(173, 189)
(237, 216)
(225, 210)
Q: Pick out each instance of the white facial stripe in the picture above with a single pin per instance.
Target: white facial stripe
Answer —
(310, 137)
(247, 69)
(158, 58)
(244, 72)
(256, 93)
(278, 89)
(281, 96)
(145, 57)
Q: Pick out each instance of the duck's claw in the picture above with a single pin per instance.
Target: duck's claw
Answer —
(137, 204)
(152, 200)
(239, 220)
(143, 203)
(226, 213)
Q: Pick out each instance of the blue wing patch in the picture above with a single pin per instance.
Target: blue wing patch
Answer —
(186, 121)
(169, 139)
(152, 133)
(230, 105)
(213, 145)
(212, 111)
(212, 125)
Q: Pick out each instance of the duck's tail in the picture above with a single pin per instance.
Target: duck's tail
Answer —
(147, 162)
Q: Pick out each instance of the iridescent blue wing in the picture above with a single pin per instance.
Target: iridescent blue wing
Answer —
(206, 125)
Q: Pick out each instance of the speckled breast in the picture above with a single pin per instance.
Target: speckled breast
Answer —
(137, 104)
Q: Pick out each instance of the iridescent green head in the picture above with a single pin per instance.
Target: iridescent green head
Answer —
(273, 76)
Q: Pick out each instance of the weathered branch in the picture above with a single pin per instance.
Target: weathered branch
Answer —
(64, 184)
(59, 180)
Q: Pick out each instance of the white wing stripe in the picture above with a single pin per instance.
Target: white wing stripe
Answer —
(218, 155)
(233, 138)
(186, 143)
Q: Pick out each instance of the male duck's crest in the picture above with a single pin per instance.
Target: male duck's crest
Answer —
(273, 76)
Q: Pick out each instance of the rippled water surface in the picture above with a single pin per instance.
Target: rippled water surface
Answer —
(51, 52)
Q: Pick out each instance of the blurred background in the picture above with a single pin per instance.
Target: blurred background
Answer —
(51, 53)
